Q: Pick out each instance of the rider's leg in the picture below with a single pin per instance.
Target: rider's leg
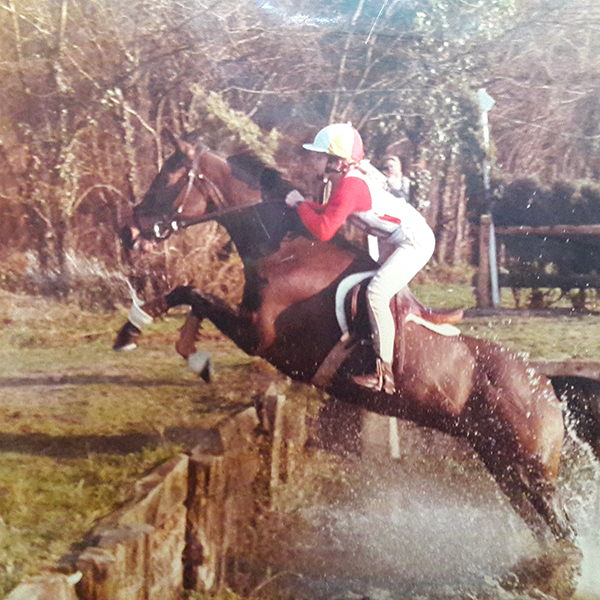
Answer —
(402, 264)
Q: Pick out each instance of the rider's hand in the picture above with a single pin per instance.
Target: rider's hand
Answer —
(294, 198)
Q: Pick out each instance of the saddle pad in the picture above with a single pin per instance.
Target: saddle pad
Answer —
(349, 282)
(340, 295)
(443, 329)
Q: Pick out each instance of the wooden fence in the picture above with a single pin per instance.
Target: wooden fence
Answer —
(489, 280)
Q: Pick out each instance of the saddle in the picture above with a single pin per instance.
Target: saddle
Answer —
(404, 305)
(353, 319)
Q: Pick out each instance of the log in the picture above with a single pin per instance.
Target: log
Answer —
(568, 368)
(579, 281)
(550, 230)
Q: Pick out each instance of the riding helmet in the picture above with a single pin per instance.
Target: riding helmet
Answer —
(339, 139)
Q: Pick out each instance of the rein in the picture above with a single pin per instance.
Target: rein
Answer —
(164, 226)
(210, 216)
(216, 196)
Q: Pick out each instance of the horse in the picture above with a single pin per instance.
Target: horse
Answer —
(463, 386)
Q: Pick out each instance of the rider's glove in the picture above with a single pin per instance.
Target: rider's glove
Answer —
(294, 198)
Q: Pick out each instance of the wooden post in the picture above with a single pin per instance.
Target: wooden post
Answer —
(394, 438)
(483, 291)
(278, 441)
(461, 223)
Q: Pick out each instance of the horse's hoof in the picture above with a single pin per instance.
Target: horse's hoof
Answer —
(126, 337)
(555, 572)
(127, 347)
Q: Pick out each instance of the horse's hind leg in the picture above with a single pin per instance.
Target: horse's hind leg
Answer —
(524, 473)
(556, 570)
(544, 496)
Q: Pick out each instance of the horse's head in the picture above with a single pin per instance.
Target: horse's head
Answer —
(176, 193)
(196, 185)
(192, 183)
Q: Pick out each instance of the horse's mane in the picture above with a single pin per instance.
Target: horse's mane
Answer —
(275, 220)
(255, 173)
(258, 229)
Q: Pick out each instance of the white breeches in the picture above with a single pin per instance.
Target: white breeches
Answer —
(400, 262)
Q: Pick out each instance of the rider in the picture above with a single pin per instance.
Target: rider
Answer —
(406, 241)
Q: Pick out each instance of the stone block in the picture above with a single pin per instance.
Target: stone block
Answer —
(238, 432)
(116, 568)
(49, 586)
(157, 496)
(164, 575)
(206, 516)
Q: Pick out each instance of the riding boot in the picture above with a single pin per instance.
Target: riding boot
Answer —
(389, 385)
(382, 379)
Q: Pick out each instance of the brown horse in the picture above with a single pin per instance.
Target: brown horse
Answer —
(460, 385)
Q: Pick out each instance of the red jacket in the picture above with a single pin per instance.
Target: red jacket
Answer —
(323, 220)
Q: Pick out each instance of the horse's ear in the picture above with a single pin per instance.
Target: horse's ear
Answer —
(180, 145)
(188, 149)
(171, 137)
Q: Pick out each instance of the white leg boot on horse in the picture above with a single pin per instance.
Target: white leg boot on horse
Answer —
(198, 361)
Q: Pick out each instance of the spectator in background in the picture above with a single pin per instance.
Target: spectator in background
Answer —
(398, 185)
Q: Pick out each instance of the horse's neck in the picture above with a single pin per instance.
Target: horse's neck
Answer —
(303, 267)
(237, 192)
(257, 231)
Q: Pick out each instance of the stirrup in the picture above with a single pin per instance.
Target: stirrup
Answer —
(381, 380)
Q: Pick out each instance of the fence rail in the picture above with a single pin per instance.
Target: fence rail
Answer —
(488, 276)
(549, 230)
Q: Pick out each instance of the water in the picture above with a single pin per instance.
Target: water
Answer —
(580, 483)
(589, 583)
(419, 527)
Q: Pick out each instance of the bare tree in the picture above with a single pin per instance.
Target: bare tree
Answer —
(547, 119)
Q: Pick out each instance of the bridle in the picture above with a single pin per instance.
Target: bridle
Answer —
(194, 175)
(195, 179)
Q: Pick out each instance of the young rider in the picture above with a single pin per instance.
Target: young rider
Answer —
(406, 242)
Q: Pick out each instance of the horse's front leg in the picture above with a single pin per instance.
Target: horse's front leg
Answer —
(198, 360)
(143, 314)
(188, 336)
(239, 328)
(138, 318)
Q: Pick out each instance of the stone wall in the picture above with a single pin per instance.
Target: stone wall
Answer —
(175, 532)
(193, 523)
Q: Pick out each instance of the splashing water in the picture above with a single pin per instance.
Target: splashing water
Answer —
(580, 484)
(428, 525)
(396, 531)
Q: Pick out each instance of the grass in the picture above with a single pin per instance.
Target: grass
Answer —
(80, 423)
(558, 333)
(48, 503)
